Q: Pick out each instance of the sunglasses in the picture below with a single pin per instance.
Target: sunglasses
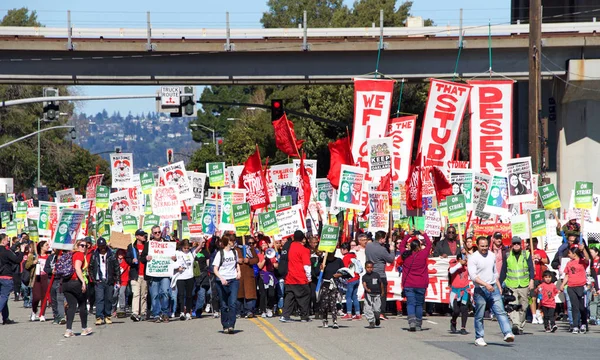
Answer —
(82, 245)
(156, 232)
(250, 243)
(451, 232)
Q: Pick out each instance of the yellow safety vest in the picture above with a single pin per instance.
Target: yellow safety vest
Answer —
(517, 271)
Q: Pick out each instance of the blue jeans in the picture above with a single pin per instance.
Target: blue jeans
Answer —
(159, 295)
(173, 299)
(228, 295)
(280, 293)
(483, 297)
(6, 287)
(246, 306)
(415, 298)
(201, 298)
(26, 294)
(569, 310)
(352, 298)
(104, 299)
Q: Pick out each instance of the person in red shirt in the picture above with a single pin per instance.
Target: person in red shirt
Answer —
(297, 279)
(459, 293)
(352, 290)
(74, 289)
(576, 279)
(124, 269)
(548, 292)
(540, 264)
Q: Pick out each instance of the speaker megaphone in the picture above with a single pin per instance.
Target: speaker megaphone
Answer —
(270, 253)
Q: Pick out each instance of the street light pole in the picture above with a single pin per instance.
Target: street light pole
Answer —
(213, 135)
(38, 154)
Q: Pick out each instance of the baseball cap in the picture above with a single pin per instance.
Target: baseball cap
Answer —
(140, 232)
(88, 239)
(516, 240)
(497, 235)
(101, 242)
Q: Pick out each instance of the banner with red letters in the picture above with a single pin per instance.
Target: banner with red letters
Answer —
(491, 124)
(372, 102)
(402, 130)
(441, 124)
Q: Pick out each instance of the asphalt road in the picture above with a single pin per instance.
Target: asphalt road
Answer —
(270, 339)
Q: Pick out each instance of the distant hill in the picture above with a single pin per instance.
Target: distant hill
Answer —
(147, 136)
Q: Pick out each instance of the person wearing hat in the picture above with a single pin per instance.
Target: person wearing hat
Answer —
(297, 279)
(517, 274)
(137, 276)
(498, 249)
(105, 270)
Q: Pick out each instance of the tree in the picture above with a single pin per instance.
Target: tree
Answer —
(290, 13)
(20, 17)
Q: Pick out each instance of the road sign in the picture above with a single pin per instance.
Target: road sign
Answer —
(169, 96)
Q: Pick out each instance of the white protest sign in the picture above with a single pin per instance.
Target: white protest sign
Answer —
(161, 253)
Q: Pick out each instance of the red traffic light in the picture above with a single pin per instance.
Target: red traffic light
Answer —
(276, 104)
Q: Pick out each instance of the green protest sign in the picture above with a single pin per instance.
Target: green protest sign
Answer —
(108, 217)
(100, 221)
(519, 225)
(147, 182)
(185, 229)
(102, 197)
(32, 230)
(149, 222)
(584, 192)
(66, 230)
(21, 210)
(11, 229)
(105, 233)
(241, 218)
(457, 209)
(284, 202)
(538, 223)
(5, 218)
(268, 223)
(363, 224)
(216, 174)
(443, 208)
(329, 238)
(148, 205)
(130, 224)
(197, 213)
(549, 197)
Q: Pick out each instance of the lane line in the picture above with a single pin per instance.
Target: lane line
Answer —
(300, 350)
(273, 338)
(432, 322)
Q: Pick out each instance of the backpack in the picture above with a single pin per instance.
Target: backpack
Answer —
(222, 254)
(358, 268)
(283, 259)
(64, 266)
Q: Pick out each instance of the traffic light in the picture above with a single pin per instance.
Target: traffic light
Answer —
(276, 109)
(188, 103)
(169, 156)
(51, 110)
(118, 149)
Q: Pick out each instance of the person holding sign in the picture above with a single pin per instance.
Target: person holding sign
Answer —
(159, 285)
(328, 293)
(459, 292)
(415, 277)
(517, 274)
(227, 269)
(8, 261)
(575, 281)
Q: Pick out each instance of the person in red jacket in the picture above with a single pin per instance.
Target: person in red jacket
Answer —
(353, 284)
(459, 293)
(548, 292)
(124, 268)
(415, 277)
(297, 280)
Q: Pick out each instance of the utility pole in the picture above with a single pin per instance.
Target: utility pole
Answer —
(535, 50)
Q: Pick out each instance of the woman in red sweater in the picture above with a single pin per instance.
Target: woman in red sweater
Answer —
(352, 289)
(459, 293)
(575, 278)
(415, 277)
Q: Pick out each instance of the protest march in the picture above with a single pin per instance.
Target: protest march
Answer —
(388, 231)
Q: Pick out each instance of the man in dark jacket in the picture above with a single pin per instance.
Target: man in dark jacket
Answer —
(9, 263)
(104, 269)
(137, 270)
(449, 246)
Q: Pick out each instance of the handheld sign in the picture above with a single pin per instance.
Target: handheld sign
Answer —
(457, 210)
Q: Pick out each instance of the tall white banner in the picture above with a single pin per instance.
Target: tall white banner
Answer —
(441, 124)
(402, 131)
(491, 124)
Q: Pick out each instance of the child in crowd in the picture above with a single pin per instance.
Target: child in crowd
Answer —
(548, 292)
(373, 288)
(459, 295)
(124, 268)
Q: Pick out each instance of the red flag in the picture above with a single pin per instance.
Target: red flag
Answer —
(386, 185)
(341, 154)
(414, 186)
(304, 189)
(253, 180)
(285, 137)
(442, 186)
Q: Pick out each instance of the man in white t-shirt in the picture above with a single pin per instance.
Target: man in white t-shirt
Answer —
(483, 273)
(228, 273)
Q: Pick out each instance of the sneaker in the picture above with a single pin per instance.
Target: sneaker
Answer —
(250, 316)
(108, 320)
(509, 337)
(575, 331)
(346, 317)
(263, 315)
(62, 321)
(207, 308)
(55, 321)
(172, 316)
(8, 322)
(548, 330)
(158, 319)
(382, 317)
(340, 313)
(371, 325)
(464, 332)
(69, 333)
(325, 324)
(453, 327)
(412, 329)
(86, 331)
(284, 320)
(418, 328)
(33, 317)
(554, 328)
(480, 342)
(99, 321)
(535, 320)
(135, 318)
(42, 318)
(225, 330)
(377, 321)
(583, 329)
(269, 313)
(231, 331)
(188, 316)
(182, 316)
(216, 315)
(356, 317)
(335, 325)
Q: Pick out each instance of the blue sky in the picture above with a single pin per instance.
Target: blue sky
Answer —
(205, 13)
